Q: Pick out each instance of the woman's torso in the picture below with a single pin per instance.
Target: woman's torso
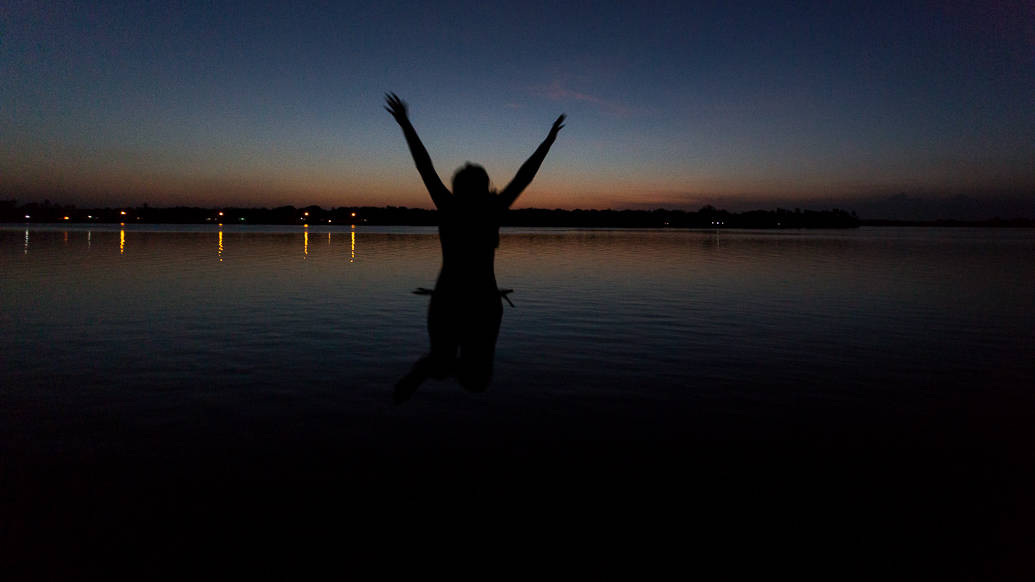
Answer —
(469, 236)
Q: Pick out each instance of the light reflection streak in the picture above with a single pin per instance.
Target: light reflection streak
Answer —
(305, 244)
(26, 241)
(66, 234)
(352, 259)
(219, 253)
(122, 242)
(89, 238)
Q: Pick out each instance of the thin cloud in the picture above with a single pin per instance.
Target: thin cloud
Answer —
(556, 91)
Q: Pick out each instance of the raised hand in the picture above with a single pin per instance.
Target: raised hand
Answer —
(439, 194)
(397, 108)
(527, 170)
(557, 126)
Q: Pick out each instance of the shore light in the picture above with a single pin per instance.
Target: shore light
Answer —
(122, 212)
(66, 218)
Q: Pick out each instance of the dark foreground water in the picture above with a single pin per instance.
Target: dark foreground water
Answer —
(846, 393)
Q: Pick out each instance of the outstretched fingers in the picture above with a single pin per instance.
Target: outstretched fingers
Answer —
(557, 125)
(395, 106)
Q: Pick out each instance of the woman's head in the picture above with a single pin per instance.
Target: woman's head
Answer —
(470, 181)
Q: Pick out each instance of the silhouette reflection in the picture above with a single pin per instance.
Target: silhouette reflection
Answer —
(465, 311)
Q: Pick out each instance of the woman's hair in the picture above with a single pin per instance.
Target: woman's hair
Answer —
(470, 180)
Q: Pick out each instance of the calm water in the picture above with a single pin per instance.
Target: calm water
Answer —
(164, 341)
(157, 326)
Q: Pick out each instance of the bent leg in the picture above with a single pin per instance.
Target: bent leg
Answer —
(443, 331)
(478, 346)
(409, 383)
(441, 361)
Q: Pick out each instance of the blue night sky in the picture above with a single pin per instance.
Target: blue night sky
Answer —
(670, 104)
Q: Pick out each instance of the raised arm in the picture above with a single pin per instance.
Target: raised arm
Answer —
(530, 167)
(439, 193)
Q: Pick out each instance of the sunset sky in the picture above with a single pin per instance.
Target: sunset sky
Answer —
(670, 104)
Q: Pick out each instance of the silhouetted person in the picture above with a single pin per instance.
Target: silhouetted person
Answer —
(466, 309)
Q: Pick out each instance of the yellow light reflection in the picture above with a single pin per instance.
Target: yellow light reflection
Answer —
(352, 259)
(305, 244)
(219, 253)
(122, 242)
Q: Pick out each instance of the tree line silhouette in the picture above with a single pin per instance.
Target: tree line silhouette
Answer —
(706, 217)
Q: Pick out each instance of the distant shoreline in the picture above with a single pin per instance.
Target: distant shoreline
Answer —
(706, 217)
(989, 223)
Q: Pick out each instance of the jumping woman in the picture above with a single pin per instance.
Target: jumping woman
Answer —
(465, 312)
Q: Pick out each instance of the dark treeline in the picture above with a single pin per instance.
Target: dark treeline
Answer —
(993, 222)
(707, 217)
(312, 215)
